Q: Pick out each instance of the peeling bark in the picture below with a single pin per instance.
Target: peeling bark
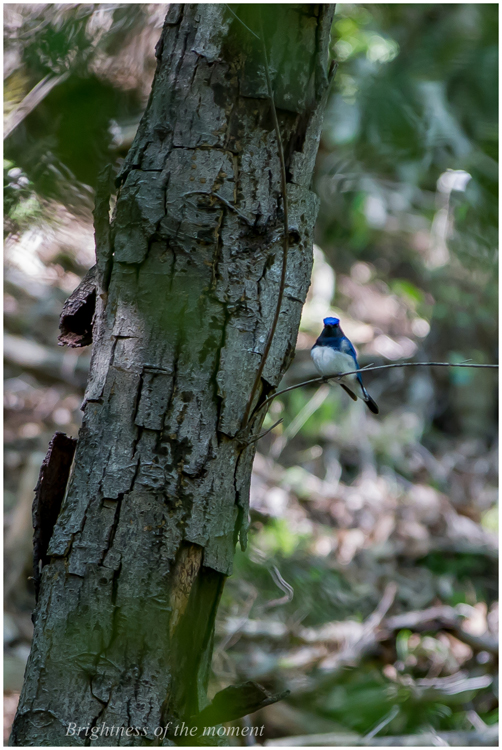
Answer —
(76, 319)
(49, 494)
(187, 284)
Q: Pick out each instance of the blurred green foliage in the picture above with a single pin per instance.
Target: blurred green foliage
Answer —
(21, 204)
(408, 179)
(411, 138)
(63, 142)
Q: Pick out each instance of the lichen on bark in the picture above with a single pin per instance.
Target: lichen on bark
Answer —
(187, 285)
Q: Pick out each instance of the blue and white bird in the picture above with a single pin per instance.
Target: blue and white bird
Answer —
(333, 354)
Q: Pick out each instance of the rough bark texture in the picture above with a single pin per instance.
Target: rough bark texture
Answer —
(75, 322)
(49, 494)
(158, 497)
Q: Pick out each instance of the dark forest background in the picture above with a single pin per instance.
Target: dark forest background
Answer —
(370, 585)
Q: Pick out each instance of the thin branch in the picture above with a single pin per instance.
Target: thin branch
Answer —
(280, 149)
(316, 381)
(386, 720)
(225, 203)
(241, 21)
(259, 437)
(32, 100)
(279, 581)
(296, 425)
(477, 642)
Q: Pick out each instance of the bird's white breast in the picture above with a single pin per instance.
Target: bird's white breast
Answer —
(331, 362)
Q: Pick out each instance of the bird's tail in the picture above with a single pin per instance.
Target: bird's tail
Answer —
(369, 402)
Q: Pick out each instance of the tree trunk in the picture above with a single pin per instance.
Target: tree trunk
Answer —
(187, 287)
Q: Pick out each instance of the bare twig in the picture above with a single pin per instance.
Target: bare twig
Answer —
(296, 425)
(442, 618)
(437, 688)
(259, 437)
(283, 585)
(386, 602)
(225, 203)
(32, 100)
(484, 642)
(432, 618)
(241, 21)
(364, 641)
(239, 623)
(390, 716)
(414, 364)
(369, 368)
(285, 240)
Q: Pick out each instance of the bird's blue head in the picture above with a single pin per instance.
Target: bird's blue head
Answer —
(331, 321)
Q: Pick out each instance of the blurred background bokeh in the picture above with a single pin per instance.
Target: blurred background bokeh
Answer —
(369, 588)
